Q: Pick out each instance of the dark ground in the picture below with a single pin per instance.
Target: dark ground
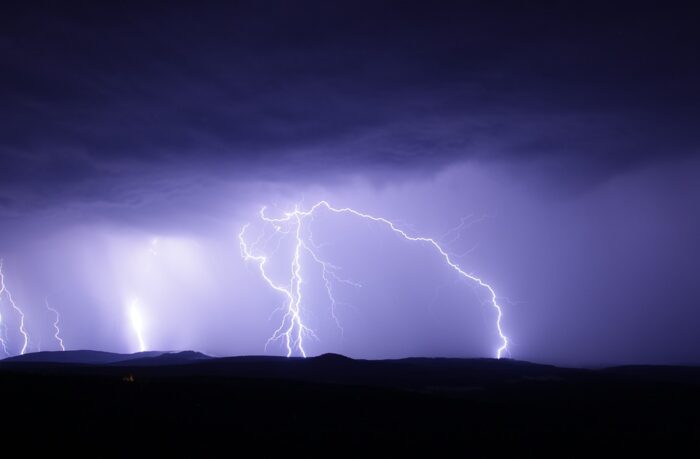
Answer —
(190, 396)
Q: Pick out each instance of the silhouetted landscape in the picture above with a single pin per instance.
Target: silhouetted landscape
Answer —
(189, 393)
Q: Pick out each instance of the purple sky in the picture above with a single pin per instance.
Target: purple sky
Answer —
(136, 141)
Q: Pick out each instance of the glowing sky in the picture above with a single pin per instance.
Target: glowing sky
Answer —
(136, 141)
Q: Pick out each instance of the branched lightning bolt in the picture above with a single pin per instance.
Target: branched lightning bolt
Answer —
(292, 327)
(56, 335)
(22, 330)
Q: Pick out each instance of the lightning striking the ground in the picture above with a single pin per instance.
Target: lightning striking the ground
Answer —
(137, 323)
(57, 334)
(292, 329)
(25, 336)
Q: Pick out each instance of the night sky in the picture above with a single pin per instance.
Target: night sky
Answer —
(137, 139)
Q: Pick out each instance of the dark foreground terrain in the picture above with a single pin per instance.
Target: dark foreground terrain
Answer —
(170, 396)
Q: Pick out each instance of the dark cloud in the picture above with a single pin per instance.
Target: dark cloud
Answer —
(92, 92)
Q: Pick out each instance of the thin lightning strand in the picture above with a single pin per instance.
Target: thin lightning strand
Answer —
(3, 336)
(295, 326)
(22, 330)
(327, 273)
(56, 335)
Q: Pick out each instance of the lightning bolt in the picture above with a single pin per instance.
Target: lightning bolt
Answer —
(8, 295)
(137, 323)
(3, 336)
(56, 335)
(293, 329)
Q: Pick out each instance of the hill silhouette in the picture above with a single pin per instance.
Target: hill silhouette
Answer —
(193, 395)
(89, 357)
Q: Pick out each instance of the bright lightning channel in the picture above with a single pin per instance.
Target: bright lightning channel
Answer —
(137, 323)
(292, 329)
(57, 334)
(17, 309)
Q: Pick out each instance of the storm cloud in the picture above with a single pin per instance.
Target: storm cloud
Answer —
(91, 93)
(567, 132)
